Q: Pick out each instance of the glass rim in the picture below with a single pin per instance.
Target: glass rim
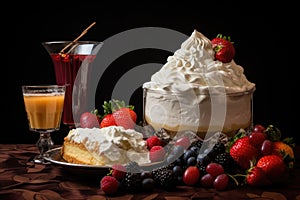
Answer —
(67, 41)
(44, 86)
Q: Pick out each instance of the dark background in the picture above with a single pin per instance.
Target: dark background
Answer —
(265, 40)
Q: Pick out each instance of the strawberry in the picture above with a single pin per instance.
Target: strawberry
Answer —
(274, 167)
(257, 177)
(107, 120)
(109, 184)
(157, 153)
(243, 152)
(285, 151)
(223, 47)
(90, 119)
(117, 113)
(125, 117)
(153, 141)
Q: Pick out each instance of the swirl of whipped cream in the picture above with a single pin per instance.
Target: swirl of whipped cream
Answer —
(193, 67)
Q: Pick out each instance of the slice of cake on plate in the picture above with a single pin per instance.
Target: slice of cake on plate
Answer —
(104, 146)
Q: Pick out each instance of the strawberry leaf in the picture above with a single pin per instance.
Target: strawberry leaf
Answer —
(241, 133)
(273, 133)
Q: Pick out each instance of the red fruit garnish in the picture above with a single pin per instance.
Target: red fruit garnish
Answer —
(266, 147)
(107, 120)
(90, 120)
(125, 117)
(223, 47)
(214, 169)
(243, 152)
(117, 113)
(207, 180)
(257, 138)
(153, 141)
(118, 171)
(191, 175)
(221, 182)
(257, 177)
(109, 184)
(184, 142)
(259, 128)
(273, 166)
(157, 153)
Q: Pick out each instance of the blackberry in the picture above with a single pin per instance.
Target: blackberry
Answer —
(164, 177)
(132, 182)
(218, 148)
(196, 143)
(202, 168)
(226, 161)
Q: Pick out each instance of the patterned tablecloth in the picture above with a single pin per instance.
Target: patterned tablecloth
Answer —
(21, 179)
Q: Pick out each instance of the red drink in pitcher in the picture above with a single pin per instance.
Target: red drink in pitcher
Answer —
(67, 67)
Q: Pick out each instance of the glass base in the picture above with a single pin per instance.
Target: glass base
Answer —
(39, 159)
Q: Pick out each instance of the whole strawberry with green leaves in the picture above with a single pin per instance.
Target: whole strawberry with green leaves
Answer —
(256, 176)
(118, 113)
(242, 150)
(223, 47)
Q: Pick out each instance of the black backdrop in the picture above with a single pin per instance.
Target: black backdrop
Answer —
(265, 42)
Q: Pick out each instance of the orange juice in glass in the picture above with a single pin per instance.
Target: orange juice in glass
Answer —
(44, 110)
(44, 106)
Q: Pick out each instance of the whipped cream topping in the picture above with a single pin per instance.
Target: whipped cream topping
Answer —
(193, 68)
(114, 144)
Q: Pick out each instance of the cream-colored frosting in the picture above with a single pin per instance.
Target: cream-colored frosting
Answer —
(114, 144)
(193, 67)
(194, 91)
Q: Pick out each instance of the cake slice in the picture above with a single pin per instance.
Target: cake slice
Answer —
(104, 146)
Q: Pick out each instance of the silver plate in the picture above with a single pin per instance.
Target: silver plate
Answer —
(54, 156)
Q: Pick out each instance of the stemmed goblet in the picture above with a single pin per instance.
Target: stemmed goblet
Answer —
(44, 107)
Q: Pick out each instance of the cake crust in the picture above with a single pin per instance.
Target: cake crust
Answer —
(76, 153)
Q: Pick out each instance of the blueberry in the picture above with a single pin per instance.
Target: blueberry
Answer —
(191, 161)
(148, 184)
(188, 154)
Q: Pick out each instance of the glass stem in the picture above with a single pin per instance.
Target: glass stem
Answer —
(45, 142)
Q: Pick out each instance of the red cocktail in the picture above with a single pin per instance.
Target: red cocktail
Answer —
(67, 64)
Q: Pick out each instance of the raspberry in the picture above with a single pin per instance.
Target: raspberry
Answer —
(109, 184)
(157, 153)
(153, 141)
(118, 171)
(184, 142)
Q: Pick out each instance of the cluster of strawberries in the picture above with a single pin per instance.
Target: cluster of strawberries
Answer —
(115, 113)
(263, 154)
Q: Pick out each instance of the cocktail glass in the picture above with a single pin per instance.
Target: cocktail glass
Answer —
(68, 57)
(44, 106)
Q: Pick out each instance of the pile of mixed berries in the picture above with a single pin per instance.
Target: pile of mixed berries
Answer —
(258, 158)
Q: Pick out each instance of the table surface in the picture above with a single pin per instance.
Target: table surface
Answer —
(21, 179)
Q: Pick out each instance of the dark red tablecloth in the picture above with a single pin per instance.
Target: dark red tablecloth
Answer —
(20, 179)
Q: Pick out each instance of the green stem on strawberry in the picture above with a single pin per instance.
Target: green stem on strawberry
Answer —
(113, 105)
(235, 176)
(241, 133)
(273, 133)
